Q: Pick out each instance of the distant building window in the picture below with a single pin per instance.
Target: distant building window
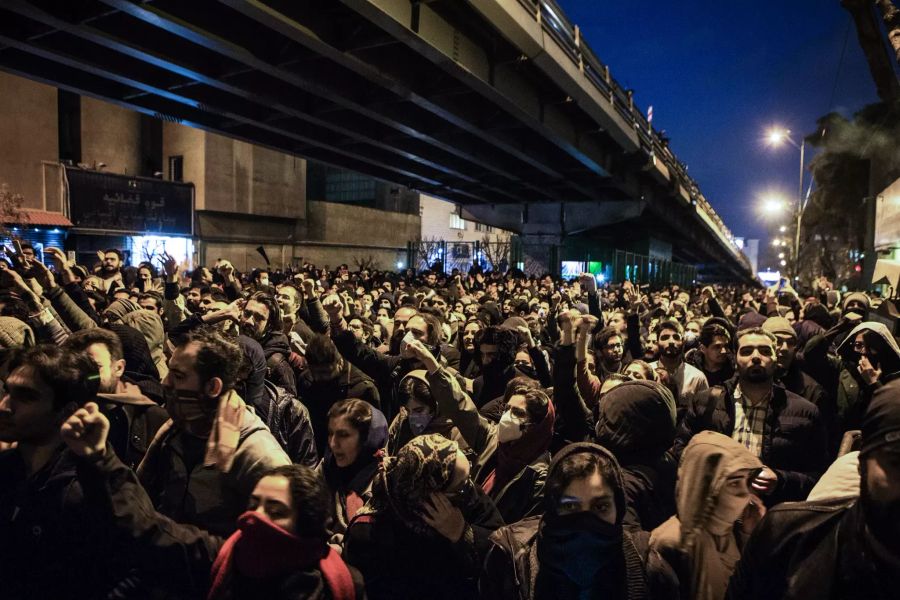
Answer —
(176, 168)
(484, 228)
(457, 222)
(346, 186)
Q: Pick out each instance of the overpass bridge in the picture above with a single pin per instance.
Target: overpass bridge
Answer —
(497, 105)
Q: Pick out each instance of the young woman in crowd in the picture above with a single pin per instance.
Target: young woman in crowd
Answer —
(579, 549)
(424, 532)
(357, 433)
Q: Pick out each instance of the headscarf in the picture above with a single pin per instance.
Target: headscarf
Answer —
(514, 456)
(422, 467)
(367, 460)
(707, 462)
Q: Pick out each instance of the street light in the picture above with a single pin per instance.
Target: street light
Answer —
(773, 205)
(776, 137)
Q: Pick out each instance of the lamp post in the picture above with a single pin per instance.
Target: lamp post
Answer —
(776, 137)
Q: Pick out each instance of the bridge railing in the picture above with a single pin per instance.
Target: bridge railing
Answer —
(554, 22)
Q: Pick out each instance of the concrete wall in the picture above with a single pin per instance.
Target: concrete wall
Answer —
(189, 143)
(354, 225)
(28, 135)
(110, 134)
(248, 179)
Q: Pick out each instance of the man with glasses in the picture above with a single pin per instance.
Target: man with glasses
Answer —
(688, 379)
(784, 430)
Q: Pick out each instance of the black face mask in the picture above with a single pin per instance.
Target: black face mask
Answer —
(526, 369)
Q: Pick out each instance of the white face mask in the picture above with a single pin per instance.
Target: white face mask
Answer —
(511, 428)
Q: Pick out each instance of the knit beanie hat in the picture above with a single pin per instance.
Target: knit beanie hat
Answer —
(881, 421)
(858, 297)
(776, 325)
(15, 333)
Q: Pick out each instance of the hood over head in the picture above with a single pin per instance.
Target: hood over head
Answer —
(589, 448)
(637, 421)
(706, 463)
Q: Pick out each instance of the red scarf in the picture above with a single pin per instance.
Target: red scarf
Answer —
(260, 548)
(512, 457)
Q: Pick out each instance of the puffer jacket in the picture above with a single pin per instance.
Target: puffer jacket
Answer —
(279, 371)
(288, 420)
(795, 441)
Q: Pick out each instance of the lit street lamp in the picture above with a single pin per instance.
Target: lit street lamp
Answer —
(777, 137)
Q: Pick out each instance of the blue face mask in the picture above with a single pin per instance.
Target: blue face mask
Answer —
(419, 421)
(578, 546)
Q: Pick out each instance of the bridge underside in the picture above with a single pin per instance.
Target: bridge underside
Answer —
(428, 95)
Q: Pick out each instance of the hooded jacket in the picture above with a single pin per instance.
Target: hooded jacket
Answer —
(400, 432)
(352, 485)
(853, 393)
(636, 422)
(513, 570)
(134, 420)
(702, 554)
(148, 323)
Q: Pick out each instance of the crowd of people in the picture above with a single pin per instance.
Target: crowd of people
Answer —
(325, 434)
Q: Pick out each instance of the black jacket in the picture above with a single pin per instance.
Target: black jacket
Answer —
(794, 438)
(320, 396)
(278, 368)
(55, 543)
(812, 550)
(289, 421)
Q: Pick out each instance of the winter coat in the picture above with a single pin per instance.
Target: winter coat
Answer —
(134, 420)
(398, 564)
(279, 371)
(512, 568)
(636, 422)
(55, 544)
(185, 490)
(320, 396)
(811, 550)
(289, 422)
(794, 437)
(523, 495)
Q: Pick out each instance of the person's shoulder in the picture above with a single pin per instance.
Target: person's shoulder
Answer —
(518, 535)
(796, 404)
(795, 520)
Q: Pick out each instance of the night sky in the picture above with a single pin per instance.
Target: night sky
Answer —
(718, 74)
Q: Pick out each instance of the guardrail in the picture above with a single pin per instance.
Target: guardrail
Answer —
(554, 22)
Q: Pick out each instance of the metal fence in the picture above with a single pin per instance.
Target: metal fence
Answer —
(539, 259)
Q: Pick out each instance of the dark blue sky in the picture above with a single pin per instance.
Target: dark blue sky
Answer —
(719, 73)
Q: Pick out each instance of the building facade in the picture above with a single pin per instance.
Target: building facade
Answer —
(136, 182)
